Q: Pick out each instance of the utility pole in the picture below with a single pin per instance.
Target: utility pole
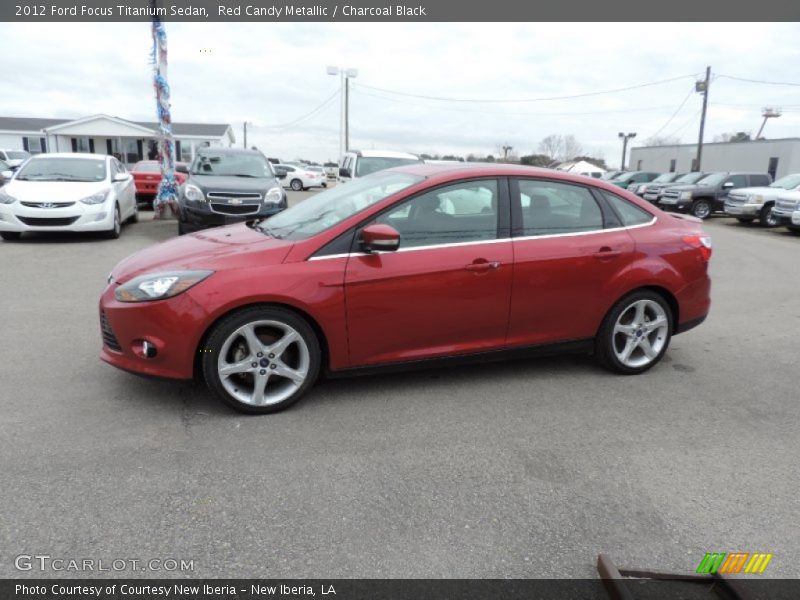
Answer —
(346, 112)
(624, 137)
(244, 141)
(344, 124)
(702, 87)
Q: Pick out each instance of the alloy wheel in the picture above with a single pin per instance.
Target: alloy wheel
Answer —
(640, 333)
(263, 363)
(701, 209)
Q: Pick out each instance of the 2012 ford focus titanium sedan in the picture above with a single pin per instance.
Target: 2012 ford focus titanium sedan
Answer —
(404, 266)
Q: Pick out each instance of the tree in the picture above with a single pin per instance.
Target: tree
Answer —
(536, 160)
(560, 147)
(739, 136)
(665, 140)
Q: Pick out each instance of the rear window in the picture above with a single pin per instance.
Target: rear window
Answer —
(628, 213)
(147, 167)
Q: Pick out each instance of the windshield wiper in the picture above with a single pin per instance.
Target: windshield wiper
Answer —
(244, 175)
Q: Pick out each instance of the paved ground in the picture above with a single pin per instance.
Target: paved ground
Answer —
(522, 469)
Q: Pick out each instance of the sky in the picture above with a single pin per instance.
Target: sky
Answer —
(494, 76)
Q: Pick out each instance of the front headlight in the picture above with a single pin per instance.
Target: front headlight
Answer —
(686, 195)
(756, 199)
(274, 195)
(6, 198)
(97, 198)
(193, 193)
(158, 286)
(642, 189)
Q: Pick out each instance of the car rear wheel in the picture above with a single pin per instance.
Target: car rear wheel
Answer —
(10, 236)
(635, 333)
(296, 185)
(116, 228)
(261, 360)
(766, 218)
(701, 209)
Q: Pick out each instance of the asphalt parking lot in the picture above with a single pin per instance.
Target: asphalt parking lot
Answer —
(518, 469)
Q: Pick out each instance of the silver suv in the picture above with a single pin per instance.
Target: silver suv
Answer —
(748, 204)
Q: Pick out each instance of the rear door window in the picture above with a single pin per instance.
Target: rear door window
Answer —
(550, 207)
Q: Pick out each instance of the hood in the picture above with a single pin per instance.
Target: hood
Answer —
(685, 187)
(770, 192)
(54, 191)
(230, 183)
(219, 248)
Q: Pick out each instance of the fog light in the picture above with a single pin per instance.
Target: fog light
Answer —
(144, 349)
(100, 216)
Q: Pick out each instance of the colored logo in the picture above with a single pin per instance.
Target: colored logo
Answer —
(734, 562)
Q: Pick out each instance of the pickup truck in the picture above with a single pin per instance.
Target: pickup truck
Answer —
(787, 211)
(708, 195)
(748, 204)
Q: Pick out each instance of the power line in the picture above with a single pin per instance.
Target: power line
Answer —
(760, 81)
(325, 103)
(677, 110)
(506, 113)
(511, 101)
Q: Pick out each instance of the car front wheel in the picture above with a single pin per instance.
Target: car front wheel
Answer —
(701, 209)
(261, 360)
(766, 218)
(116, 227)
(635, 333)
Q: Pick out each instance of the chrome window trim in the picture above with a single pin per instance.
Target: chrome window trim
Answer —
(496, 241)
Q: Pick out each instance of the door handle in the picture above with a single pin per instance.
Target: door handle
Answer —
(482, 265)
(606, 252)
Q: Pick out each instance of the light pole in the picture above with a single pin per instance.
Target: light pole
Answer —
(624, 137)
(344, 124)
(244, 141)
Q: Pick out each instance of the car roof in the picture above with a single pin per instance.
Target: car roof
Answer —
(86, 155)
(224, 150)
(384, 154)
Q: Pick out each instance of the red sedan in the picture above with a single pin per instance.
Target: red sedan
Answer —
(405, 266)
(147, 176)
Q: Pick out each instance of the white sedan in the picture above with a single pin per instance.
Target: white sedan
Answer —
(68, 192)
(300, 178)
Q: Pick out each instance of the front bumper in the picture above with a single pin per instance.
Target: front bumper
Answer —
(78, 217)
(787, 217)
(173, 326)
(743, 210)
(674, 204)
(200, 215)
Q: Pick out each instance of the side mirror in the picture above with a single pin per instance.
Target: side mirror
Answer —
(344, 172)
(121, 177)
(182, 169)
(380, 237)
(727, 185)
(7, 174)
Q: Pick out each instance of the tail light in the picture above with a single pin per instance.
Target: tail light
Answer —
(700, 242)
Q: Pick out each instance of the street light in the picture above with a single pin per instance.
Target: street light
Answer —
(344, 125)
(624, 137)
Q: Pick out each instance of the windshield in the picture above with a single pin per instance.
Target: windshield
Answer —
(372, 164)
(147, 167)
(626, 176)
(665, 178)
(789, 182)
(63, 169)
(690, 178)
(232, 165)
(325, 210)
(16, 154)
(713, 179)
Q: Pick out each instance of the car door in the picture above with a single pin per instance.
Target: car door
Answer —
(446, 290)
(731, 182)
(126, 190)
(567, 246)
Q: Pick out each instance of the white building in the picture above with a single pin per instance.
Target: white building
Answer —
(130, 141)
(777, 157)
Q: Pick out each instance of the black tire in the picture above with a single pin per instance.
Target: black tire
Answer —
(228, 325)
(766, 218)
(10, 236)
(296, 185)
(701, 208)
(181, 228)
(794, 229)
(134, 218)
(116, 229)
(604, 342)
